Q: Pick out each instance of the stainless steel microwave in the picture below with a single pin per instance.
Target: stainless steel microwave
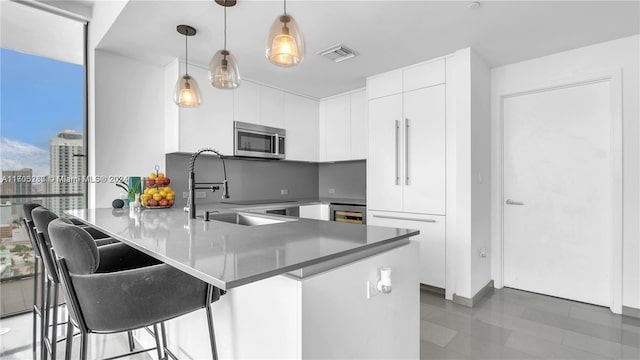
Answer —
(260, 141)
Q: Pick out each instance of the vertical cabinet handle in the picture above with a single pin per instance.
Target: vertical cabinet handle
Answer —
(406, 151)
(397, 152)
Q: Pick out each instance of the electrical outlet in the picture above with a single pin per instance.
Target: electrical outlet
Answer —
(201, 195)
(284, 191)
(482, 252)
(371, 289)
(332, 191)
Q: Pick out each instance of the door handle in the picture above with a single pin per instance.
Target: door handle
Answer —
(406, 151)
(511, 202)
(397, 152)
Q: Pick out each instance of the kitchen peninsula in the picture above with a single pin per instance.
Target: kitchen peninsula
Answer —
(297, 288)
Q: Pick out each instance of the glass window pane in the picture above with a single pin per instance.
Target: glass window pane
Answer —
(41, 133)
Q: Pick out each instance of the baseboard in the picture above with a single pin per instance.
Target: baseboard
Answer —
(631, 312)
(432, 289)
(461, 300)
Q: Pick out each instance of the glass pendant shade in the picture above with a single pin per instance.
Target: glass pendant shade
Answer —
(187, 92)
(285, 44)
(223, 70)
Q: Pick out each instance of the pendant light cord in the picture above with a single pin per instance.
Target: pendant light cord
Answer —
(285, 7)
(186, 55)
(225, 25)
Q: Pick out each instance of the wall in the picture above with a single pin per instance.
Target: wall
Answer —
(480, 173)
(468, 163)
(618, 54)
(248, 179)
(347, 180)
(103, 16)
(129, 126)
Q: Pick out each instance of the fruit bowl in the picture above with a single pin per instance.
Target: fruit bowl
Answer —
(156, 193)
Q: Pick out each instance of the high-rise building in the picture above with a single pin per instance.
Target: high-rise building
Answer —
(66, 172)
(17, 182)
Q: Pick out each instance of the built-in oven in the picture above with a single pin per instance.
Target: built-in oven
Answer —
(348, 213)
(260, 141)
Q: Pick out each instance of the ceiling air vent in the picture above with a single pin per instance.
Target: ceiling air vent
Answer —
(338, 53)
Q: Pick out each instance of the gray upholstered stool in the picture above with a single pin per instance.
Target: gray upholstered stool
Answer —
(109, 296)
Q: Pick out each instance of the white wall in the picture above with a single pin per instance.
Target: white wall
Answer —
(480, 173)
(468, 160)
(104, 14)
(604, 57)
(129, 121)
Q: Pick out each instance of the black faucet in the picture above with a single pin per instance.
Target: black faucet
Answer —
(213, 186)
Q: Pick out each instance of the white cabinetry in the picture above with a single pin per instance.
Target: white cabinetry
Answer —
(406, 147)
(317, 212)
(301, 122)
(338, 128)
(343, 127)
(210, 124)
(431, 240)
(272, 107)
(406, 163)
(246, 103)
(359, 125)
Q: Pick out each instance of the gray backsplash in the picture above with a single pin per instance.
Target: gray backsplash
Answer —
(264, 179)
(343, 180)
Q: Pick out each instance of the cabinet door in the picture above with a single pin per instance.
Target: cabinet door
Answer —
(359, 128)
(338, 128)
(246, 103)
(301, 122)
(384, 85)
(431, 239)
(271, 107)
(317, 212)
(423, 75)
(424, 150)
(211, 123)
(384, 189)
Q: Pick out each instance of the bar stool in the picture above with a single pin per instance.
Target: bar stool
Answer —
(40, 219)
(37, 307)
(110, 297)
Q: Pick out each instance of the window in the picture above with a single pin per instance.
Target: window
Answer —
(42, 124)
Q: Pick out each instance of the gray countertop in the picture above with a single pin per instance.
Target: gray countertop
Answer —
(229, 255)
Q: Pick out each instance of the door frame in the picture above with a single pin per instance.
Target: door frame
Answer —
(614, 77)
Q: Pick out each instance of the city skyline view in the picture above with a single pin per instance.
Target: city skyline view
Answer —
(41, 97)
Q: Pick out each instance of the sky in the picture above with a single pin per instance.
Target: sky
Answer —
(39, 97)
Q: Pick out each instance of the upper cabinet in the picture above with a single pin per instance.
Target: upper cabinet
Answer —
(272, 107)
(411, 78)
(344, 127)
(210, 124)
(246, 103)
(301, 122)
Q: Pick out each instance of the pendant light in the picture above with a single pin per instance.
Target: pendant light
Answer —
(285, 44)
(186, 93)
(223, 67)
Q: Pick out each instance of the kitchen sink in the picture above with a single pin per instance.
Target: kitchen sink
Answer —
(247, 219)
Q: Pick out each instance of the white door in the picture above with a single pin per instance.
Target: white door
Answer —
(384, 188)
(424, 147)
(557, 192)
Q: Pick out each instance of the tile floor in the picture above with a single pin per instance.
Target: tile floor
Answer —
(507, 324)
(514, 324)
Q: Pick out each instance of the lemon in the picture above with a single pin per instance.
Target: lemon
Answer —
(157, 197)
(153, 191)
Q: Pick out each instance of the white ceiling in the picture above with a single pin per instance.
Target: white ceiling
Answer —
(387, 34)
